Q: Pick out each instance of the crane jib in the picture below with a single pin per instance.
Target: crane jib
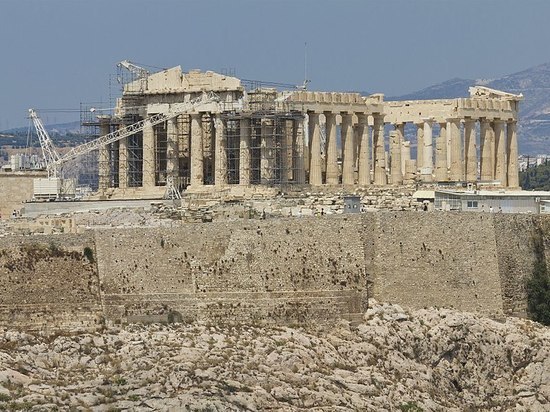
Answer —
(54, 160)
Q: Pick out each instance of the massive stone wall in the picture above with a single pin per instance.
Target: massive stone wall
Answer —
(49, 281)
(438, 259)
(277, 270)
(284, 269)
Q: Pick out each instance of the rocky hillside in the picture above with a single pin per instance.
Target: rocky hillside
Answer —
(533, 83)
(431, 360)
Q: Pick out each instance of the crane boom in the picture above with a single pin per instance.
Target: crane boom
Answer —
(138, 71)
(135, 128)
(51, 157)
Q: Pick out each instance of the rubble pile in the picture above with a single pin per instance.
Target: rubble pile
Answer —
(430, 359)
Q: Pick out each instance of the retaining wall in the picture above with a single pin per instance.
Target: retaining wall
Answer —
(287, 270)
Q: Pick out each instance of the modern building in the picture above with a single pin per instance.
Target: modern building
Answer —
(495, 201)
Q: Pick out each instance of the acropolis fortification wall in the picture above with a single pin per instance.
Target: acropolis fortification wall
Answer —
(289, 270)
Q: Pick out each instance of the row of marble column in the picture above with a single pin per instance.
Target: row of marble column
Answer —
(363, 156)
(292, 167)
(356, 153)
(455, 154)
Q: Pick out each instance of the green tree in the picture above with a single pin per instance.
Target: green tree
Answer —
(538, 285)
(536, 178)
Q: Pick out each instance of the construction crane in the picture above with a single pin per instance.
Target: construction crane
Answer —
(133, 68)
(139, 74)
(178, 108)
(54, 161)
(48, 150)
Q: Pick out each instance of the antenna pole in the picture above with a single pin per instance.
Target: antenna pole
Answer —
(305, 65)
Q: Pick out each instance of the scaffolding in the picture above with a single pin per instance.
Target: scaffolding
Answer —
(274, 158)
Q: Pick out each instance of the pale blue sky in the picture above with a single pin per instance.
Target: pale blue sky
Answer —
(58, 53)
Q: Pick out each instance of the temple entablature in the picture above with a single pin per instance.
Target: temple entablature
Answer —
(334, 102)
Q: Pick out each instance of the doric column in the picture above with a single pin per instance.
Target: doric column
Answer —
(333, 173)
(266, 152)
(220, 161)
(123, 163)
(410, 171)
(315, 172)
(400, 129)
(441, 154)
(379, 164)
(455, 166)
(364, 150)
(427, 155)
(470, 155)
(419, 145)
(197, 160)
(512, 154)
(500, 152)
(395, 147)
(405, 155)
(104, 160)
(283, 157)
(172, 164)
(298, 140)
(486, 155)
(348, 160)
(148, 155)
(244, 152)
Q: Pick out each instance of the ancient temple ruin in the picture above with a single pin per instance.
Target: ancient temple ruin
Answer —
(251, 137)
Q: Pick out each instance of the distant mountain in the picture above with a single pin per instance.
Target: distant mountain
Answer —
(447, 90)
(60, 129)
(533, 83)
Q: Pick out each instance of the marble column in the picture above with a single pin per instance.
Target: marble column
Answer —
(379, 164)
(512, 154)
(148, 155)
(395, 148)
(266, 152)
(455, 166)
(364, 150)
(220, 161)
(172, 163)
(197, 160)
(427, 156)
(470, 154)
(410, 171)
(400, 130)
(284, 144)
(299, 148)
(441, 154)
(486, 154)
(244, 152)
(333, 173)
(405, 155)
(104, 156)
(123, 163)
(419, 145)
(315, 170)
(348, 144)
(500, 152)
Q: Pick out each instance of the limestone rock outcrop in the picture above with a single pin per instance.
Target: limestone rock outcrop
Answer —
(395, 359)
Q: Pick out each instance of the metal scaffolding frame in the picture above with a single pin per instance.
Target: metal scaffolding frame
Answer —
(273, 158)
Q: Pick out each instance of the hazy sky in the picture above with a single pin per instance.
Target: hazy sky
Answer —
(58, 53)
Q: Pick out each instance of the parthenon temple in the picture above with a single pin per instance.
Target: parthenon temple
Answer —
(241, 136)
